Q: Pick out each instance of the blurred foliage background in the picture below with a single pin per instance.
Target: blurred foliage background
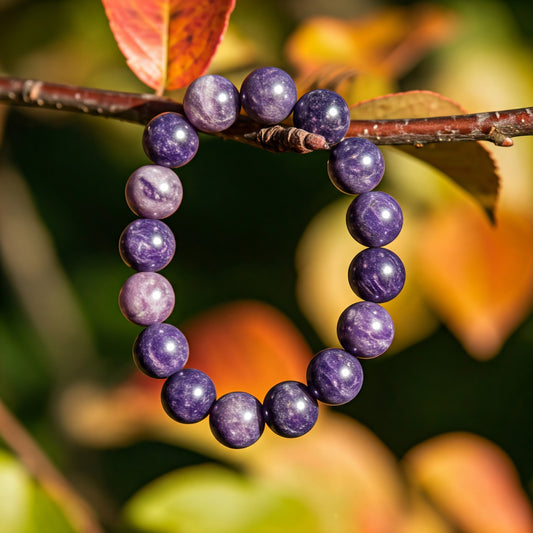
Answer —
(441, 436)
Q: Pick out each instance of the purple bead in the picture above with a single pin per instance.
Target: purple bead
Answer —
(160, 350)
(146, 298)
(147, 245)
(355, 165)
(236, 420)
(211, 103)
(169, 140)
(268, 95)
(289, 409)
(153, 191)
(323, 112)
(188, 395)
(376, 275)
(374, 218)
(365, 330)
(334, 376)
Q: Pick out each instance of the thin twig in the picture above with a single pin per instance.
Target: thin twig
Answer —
(42, 469)
(497, 127)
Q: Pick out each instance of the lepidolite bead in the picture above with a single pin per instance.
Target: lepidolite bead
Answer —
(374, 218)
(153, 191)
(376, 275)
(289, 409)
(211, 103)
(188, 395)
(334, 376)
(169, 140)
(323, 112)
(147, 245)
(365, 329)
(355, 165)
(236, 420)
(268, 95)
(146, 298)
(160, 350)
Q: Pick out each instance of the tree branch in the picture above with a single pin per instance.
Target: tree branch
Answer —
(497, 127)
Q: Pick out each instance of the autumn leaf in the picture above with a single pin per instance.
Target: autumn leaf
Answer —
(168, 43)
(472, 482)
(468, 164)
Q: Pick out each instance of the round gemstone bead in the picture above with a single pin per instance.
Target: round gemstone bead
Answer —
(160, 350)
(268, 95)
(169, 140)
(374, 218)
(147, 245)
(211, 103)
(146, 298)
(236, 420)
(188, 395)
(365, 329)
(153, 191)
(334, 376)
(376, 275)
(323, 112)
(289, 409)
(355, 165)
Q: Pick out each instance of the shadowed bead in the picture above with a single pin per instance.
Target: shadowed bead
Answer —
(355, 165)
(289, 409)
(211, 103)
(169, 140)
(147, 245)
(153, 191)
(160, 350)
(146, 298)
(268, 95)
(376, 275)
(188, 395)
(334, 376)
(365, 329)
(374, 218)
(236, 420)
(323, 112)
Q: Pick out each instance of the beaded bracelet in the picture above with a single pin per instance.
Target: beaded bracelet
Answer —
(153, 192)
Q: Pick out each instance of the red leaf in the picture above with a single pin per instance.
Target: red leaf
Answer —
(168, 43)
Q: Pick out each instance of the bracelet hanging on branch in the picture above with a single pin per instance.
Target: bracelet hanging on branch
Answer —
(497, 127)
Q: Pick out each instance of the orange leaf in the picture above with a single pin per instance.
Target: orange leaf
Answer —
(478, 277)
(246, 346)
(168, 43)
(469, 164)
(473, 482)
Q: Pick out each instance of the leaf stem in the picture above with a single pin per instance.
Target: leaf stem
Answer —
(43, 470)
(498, 127)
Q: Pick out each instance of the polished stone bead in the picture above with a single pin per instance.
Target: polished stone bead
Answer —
(376, 275)
(334, 376)
(160, 350)
(289, 409)
(355, 165)
(153, 191)
(146, 298)
(374, 218)
(147, 245)
(323, 112)
(365, 329)
(268, 95)
(211, 103)
(188, 395)
(169, 140)
(236, 420)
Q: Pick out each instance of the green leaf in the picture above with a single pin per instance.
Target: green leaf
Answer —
(214, 499)
(469, 164)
